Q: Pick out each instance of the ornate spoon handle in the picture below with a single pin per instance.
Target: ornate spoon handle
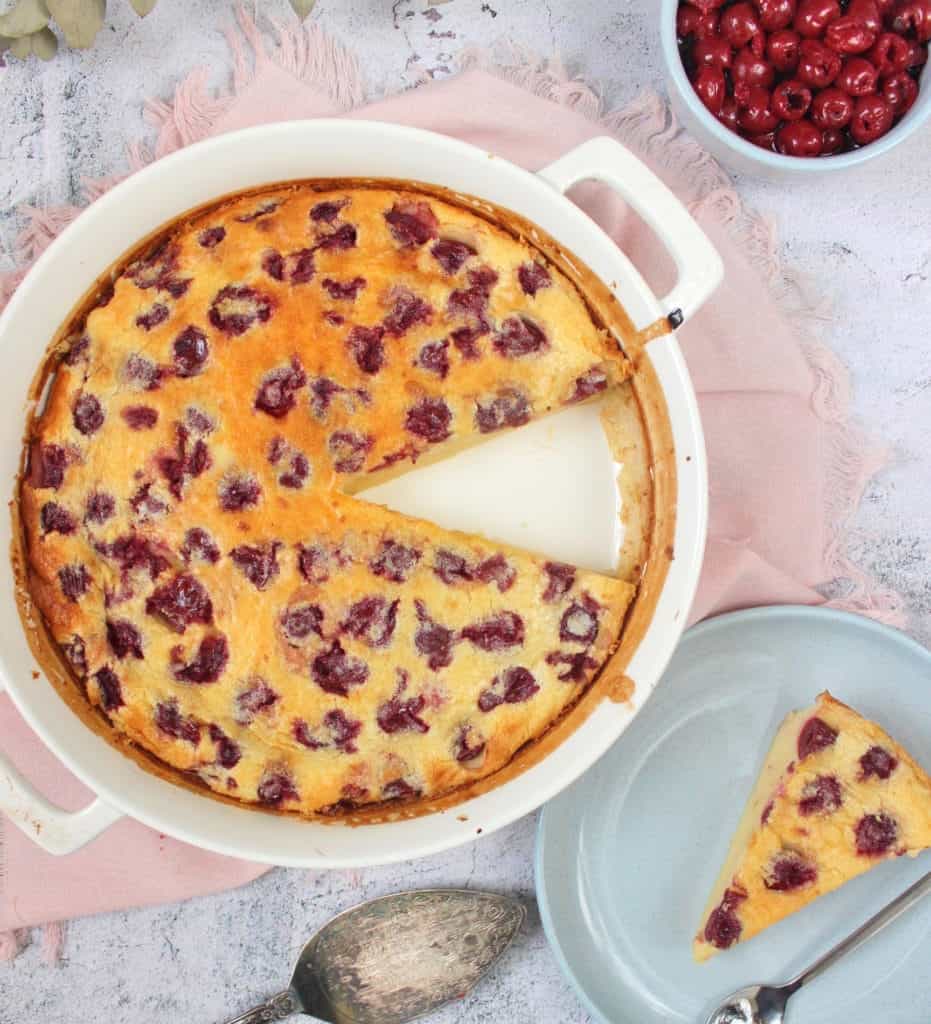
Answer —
(276, 1008)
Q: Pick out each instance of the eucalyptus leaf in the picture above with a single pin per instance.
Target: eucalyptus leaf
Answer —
(44, 43)
(27, 16)
(21, 47)
(79, 20)
(142, 7)
(303, 7)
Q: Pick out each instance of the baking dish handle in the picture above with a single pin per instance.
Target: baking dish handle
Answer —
(698, 264)
(56, 831)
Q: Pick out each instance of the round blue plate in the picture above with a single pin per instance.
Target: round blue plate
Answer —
(627, 855)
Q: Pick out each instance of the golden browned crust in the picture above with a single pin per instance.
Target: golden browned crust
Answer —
(409, 729)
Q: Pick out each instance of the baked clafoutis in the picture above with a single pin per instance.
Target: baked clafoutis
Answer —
(836, 796)
(192, 537)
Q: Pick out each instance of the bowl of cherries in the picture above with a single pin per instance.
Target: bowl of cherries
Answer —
(782, 88)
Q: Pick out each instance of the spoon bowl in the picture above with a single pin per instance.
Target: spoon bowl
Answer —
(754, 1004)
(396, 958)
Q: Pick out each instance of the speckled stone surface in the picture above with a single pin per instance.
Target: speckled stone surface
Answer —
(865, 241)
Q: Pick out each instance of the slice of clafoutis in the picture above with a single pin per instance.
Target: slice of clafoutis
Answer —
(836, 796)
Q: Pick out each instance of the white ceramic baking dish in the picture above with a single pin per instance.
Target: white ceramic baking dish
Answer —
(345, 149)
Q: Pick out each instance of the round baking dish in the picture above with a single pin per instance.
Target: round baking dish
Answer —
(357, 149)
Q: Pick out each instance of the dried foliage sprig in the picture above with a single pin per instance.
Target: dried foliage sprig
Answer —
(25, 25)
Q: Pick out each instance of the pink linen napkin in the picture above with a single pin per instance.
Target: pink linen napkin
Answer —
(787, 469)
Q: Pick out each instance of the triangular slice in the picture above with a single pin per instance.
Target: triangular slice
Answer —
(836, 796)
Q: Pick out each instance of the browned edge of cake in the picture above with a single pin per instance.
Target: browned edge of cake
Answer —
(658, 501)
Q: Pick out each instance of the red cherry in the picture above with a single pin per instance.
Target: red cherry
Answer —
(740, 24)
(813, 17)
(872, 118)
(789, 870)
(821, 796)
(791, 100)
(857, 77)
(799, 138)
(782, 50)
(917, 55)
(866, 11)
(713, 52)
(706, 5)
(691, 22)
(749, 69)
(885, 7)
(723, 927)
(757, 116)
(686, 21)
(913, 16)
(875, 834)
(815, 735)
(775, 14)
(877, 763)
(832, 141)
(818, 65)
(710, 87)
(900, 91)
(767, 140)
(849, 35)
(832, 108)
(728, 113)
(890, 53)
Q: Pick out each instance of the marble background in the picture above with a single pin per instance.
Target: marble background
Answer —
(865, 241)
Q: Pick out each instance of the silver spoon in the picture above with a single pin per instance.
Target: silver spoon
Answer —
(766, 1004)
(395, 958)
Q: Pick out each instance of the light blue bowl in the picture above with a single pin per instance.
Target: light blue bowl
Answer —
(743, 156)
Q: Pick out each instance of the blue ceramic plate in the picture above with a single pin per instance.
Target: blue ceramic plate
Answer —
(626, 856)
